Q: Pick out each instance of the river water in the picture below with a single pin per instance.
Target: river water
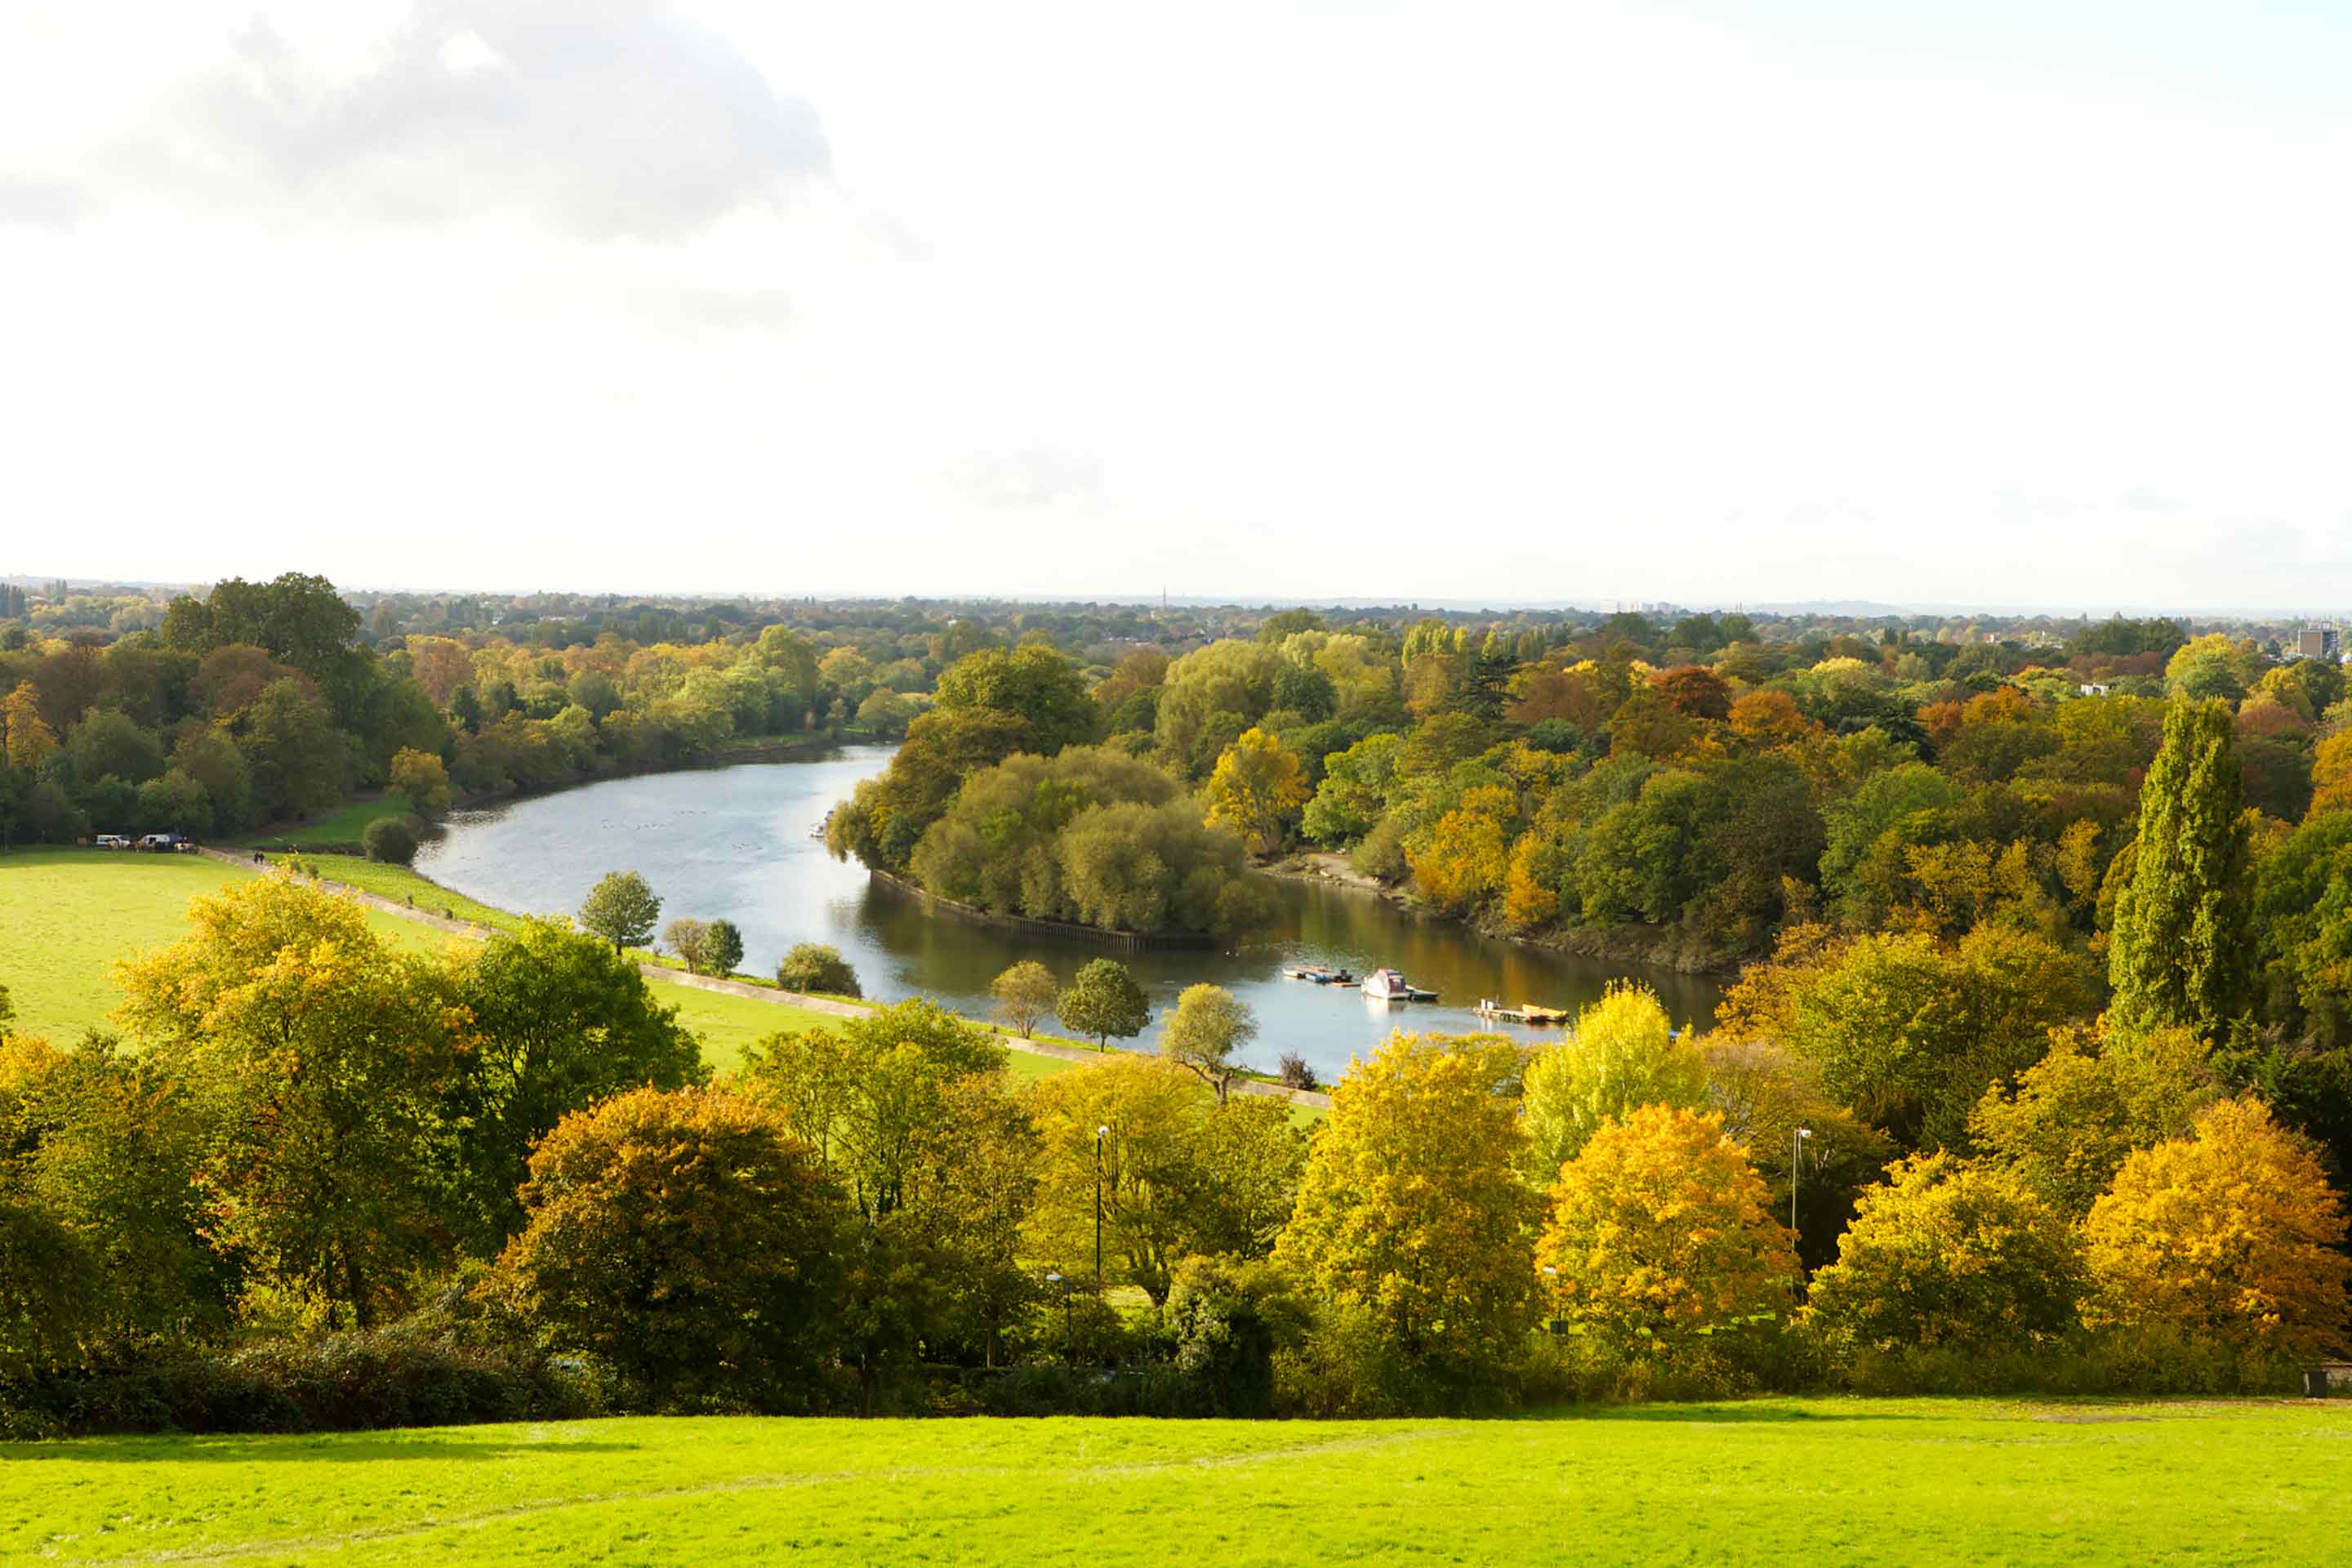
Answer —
(733, 843)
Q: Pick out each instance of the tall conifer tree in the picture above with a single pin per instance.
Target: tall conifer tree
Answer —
(2182, 947)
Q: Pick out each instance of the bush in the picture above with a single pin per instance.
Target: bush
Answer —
(815, 967)
(1296, 1073)
(409, 1374)
(391, 839)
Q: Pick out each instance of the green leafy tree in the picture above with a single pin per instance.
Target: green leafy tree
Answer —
(621, 907)
(1031, 682)
(2179, 952)
(2077, 1114)
(560, 1023)
(722, 948)
(390, 839)
(690, 1242)
(1209, 1024)
(819, 968)
(1103, 1002)
(1025, 994)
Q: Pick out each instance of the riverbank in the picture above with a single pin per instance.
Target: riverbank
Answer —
(1662, 948)
(1064, 930)
(490, 920)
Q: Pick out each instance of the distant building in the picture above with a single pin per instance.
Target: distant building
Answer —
(2315, 642)
(2095, 689)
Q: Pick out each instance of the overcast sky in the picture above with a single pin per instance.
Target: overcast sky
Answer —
(2011, 301)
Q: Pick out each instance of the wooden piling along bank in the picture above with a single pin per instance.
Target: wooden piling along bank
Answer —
(1069, 931)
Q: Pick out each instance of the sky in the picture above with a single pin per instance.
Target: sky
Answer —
(1990, 302)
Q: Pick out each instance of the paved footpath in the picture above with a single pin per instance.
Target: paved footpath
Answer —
(767, 993)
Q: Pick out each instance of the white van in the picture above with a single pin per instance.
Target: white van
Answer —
(111, 841)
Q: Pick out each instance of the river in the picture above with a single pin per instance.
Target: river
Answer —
(733, 842)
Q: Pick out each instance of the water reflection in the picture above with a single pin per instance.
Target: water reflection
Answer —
(734, 842)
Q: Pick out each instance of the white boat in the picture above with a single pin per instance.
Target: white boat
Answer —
(1387, 986)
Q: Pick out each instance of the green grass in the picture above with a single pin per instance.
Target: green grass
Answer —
(344, 825)
(67, 915)
(402, 885)
(1779, 1481)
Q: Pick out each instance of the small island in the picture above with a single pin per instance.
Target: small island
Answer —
(1000, 803)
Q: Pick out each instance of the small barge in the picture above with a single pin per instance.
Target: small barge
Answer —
(1320, 975)
(1389, 985)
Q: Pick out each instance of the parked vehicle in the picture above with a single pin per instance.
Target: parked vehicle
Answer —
(111, 841)
(166, 842)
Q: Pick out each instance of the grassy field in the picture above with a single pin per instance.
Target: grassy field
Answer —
(1782, 1481)
(65, 915)
(402, 885)
(344, 825)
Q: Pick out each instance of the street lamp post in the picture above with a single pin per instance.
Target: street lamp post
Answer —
(1100, 1133)
(1796, 1165)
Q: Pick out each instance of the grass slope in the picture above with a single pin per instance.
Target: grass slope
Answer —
(403, 885)
(344, 825)
(67, 915)
(1922, 1481)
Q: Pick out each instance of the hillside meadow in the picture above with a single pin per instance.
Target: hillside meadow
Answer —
(67, 915)
(1916, 1481)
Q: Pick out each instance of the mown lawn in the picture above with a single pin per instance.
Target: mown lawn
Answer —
(1781, 1482)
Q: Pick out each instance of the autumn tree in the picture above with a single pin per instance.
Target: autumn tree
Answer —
(689, 939)
(423, 779)
(30, 740)
(1103, 1001)
(1257, 789)
(2231, 1233)
(1620, 1054)
(2075, 1115)
(1179, 1174)
(1909, 1031)
(1025, 994)
(322, 1061)
(1948, 1254)
(621, 907)
(688, 1241)
(1659, 1232)
(2178, 952)
(1209, 1024)
(1410, 1210)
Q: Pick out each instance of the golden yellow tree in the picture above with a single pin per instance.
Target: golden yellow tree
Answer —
(1257, 788)
(2232, 1232)
(1465, 858)
(29, 739)
(1947, 1253)
(1660, 1232)
(1410, 1210)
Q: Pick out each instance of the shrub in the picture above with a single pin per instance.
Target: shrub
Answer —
(1296, 1073)
(391, 839)
(816, 967)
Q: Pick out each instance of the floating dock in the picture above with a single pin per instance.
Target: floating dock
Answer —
(1525, 1013)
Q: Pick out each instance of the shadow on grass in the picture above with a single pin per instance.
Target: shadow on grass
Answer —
(304, 1449)
(1730, 1414)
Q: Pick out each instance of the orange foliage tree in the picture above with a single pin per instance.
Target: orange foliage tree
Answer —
(2230, 1233)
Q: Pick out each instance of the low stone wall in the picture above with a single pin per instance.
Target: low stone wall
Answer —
(1060, 930)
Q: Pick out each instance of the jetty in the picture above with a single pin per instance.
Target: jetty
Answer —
(1525, 1013)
